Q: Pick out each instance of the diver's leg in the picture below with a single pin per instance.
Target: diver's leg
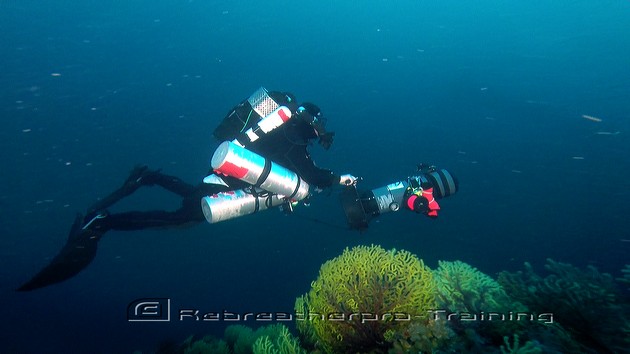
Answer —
(132, 183)
(140, 220)
(142, 176)
(170, 183)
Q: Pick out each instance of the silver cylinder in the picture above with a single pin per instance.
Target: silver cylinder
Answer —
(238, 162)
(228, 205)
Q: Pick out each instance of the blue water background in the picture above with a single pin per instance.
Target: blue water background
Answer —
(494, 91)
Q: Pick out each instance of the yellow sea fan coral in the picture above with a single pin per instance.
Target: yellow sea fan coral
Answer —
(463, 288)
(363, 294)
(282, 342)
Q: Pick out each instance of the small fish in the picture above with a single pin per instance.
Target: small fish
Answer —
(594, 119)
(607, 133)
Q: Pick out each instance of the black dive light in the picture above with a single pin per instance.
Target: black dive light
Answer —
(361, 207)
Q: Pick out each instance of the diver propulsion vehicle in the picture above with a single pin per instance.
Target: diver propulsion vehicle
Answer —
(273, 184)
(362, 207)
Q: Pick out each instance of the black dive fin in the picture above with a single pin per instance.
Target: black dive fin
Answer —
(75, 256)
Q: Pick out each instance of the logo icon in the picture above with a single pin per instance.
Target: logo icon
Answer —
(149, 310)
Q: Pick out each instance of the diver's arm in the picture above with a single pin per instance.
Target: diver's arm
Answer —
(319, 177)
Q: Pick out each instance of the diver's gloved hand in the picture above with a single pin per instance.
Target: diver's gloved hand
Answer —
(348, 179)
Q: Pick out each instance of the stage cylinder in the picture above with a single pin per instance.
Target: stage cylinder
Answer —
(236, 161)
(229, 205)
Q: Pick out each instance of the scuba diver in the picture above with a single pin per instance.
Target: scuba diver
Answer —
(263, 162)
(269, 124)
